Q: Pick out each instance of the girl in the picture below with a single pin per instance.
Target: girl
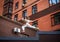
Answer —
(27, 23)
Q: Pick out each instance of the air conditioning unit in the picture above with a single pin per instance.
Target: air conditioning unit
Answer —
(17, 30)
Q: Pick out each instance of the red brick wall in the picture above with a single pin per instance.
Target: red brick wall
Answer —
(7, 26)
(1, 6)
(41, 5)
(44, 23)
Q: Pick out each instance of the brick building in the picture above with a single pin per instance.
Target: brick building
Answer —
(45, 12)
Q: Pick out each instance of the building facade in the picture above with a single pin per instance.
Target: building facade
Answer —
(45, 12)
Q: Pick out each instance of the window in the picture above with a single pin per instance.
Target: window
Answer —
(10, 10)
(16, 5)
(55, 19)
(34, 9)
(24, 1)
(5, 9)
(16, 17)
(6, 1)
(35, 23)
(58, 1)
(24, 14)
(53, 2)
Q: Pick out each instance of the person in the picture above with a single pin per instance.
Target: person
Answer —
(27, 20)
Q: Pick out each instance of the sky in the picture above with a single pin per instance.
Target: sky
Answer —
(54, 1)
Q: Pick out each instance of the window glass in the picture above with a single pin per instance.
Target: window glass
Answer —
(16, 17)
(35, 23)
(56, 19)
(54, 1)
(50, 2)
(24, 14)
(24, 1)
(58, 1)
(10, 10)
(34, 9)
(16, 5)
